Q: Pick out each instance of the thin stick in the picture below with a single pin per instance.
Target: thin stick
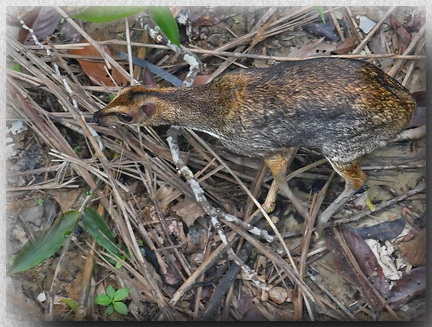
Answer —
(93, 43)
(419, 188)
(412, 63)
(397, 66)
(129, 51)
(236, 54)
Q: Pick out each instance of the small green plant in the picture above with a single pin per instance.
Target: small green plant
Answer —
(71, 304)
(46, 245)
(77, 148)
(320, 10)
(112, 299)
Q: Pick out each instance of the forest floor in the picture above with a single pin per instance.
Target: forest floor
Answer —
(370, 266)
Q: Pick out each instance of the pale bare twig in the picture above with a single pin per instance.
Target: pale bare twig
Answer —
(210, 210)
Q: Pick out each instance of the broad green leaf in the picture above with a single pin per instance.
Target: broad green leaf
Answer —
(120, 307)
(46, 245)
(72, 304)
(121, 294)
(105, 14)
(110, 309)
(103, 299)
(164, 18)
(99, 230)
(110, 291)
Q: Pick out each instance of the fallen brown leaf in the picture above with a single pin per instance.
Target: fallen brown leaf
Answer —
(414, 250)
(409, 286)
(317, 48)
(188, 210)
(201, 79)
(347, 45)
(98, 72)
(354, 260)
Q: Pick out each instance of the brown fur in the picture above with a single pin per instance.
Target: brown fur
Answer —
(341, 107)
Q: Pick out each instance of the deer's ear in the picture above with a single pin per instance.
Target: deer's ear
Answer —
(149, 109)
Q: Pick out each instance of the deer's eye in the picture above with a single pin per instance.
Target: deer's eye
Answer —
(125, 118)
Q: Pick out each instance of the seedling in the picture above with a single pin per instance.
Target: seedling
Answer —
(112, 299)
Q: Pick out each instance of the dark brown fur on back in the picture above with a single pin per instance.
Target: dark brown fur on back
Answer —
(343, 108)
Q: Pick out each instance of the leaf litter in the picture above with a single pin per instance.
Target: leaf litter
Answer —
(177, 257)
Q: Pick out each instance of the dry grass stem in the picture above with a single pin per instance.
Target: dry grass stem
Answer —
(182, 209)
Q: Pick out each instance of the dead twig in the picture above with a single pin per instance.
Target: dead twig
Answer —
(223, 53)
(209, 209)
(398, 65)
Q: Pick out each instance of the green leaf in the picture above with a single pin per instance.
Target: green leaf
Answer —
(110, 309)
(105, 14)
(16, 67)
(72, 304)
(110, 291)
(120, 307)
(121, 294)
(164, 18)
(32, 254)
(103, 299)
(320, 10)
(99, 230)
(119, 264)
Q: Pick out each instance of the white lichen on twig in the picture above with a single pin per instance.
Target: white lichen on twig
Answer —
(188, 56)
(208, 208)
(75, 111)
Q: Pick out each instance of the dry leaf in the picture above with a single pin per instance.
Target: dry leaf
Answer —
(42, 20)
(188, 210)
(278, 294)
(384, 254)
(209, 16)
(317, 48)
(260, 64)
(67, 199)
(98, 72)
(347, 45)
(416, 22)
(404, 36)
(414, 251)
(248, 309)
(409, 286)
(201, 79)
(362, 266)
(148, 79)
